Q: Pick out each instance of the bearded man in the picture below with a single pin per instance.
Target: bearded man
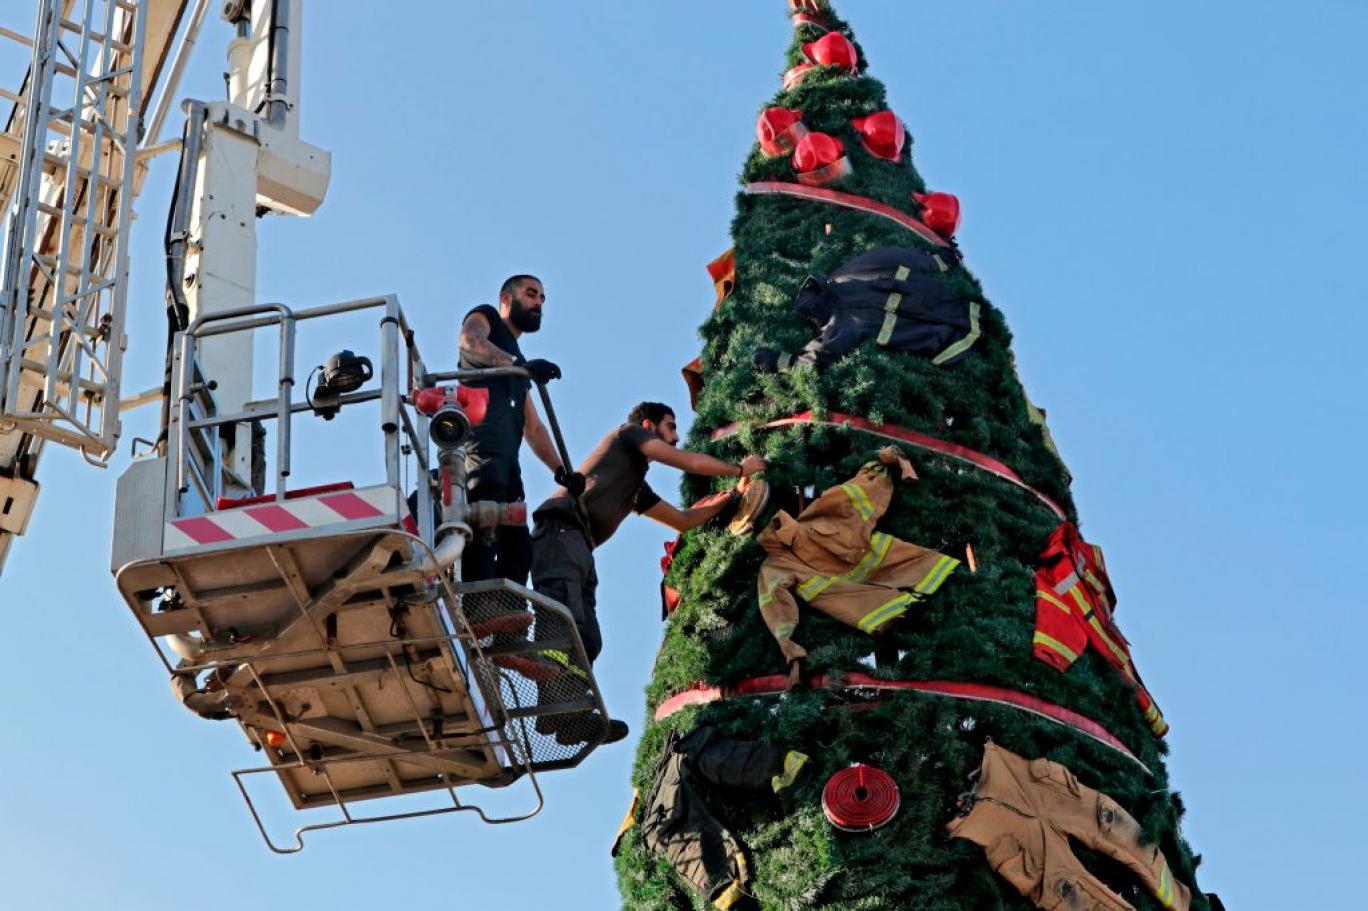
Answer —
(489, 338)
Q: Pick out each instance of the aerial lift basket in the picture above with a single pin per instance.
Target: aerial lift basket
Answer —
(328, 622)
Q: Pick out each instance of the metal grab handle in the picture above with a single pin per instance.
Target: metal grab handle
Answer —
(475, 374)
(280, 314)
(193, 329)
(564, 454)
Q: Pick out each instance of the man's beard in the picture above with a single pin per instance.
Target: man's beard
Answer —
(525, 319)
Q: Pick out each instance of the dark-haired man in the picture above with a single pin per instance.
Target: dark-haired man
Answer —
(489, 338)
(614, 483)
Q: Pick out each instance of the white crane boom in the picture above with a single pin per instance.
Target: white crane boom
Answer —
(330, 622)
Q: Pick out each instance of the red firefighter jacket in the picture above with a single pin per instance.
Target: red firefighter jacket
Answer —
(1074, 606)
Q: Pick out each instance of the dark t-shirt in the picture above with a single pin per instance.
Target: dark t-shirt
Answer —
(492, 455)
(614, 483)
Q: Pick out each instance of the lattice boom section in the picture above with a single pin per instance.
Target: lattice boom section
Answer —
(66, 257)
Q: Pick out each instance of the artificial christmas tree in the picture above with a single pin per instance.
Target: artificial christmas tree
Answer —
(911, 704)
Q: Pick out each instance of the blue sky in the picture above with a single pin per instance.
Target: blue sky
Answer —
(1166, 201)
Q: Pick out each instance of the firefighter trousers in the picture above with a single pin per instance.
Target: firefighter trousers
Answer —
(678, 821)
(563, 569)
(1023, 813)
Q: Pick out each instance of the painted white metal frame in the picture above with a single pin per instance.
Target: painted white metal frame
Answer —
(63, 304)
(68, 176)
(256, 604)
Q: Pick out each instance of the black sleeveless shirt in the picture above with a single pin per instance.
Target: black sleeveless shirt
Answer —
(492, 457)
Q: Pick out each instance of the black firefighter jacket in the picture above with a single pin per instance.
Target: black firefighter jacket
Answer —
(896, 296)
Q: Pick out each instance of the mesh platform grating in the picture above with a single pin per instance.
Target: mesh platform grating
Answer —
(530, 666)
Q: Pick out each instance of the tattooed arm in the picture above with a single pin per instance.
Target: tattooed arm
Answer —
(476, 348)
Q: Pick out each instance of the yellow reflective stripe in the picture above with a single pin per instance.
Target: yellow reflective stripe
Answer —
(1166, 886)
(890, 320)
(884, 613)
(732, 894)
(793, 764)
(889, 611)
(1086, 610)
(1055, 645)
(729, 896)
(1115, 649)
(965, 343)
(1097, 555)
(785, 361)
(559, 657)
(860, 499)
(815, 586)
(767, 595)
(936, 578)
(1156, 720)
(1049, 596)
(784, 630)
(630, 819)
(891, 308)
(880, 544)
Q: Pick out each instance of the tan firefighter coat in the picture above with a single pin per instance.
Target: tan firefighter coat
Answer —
(832, 558)
(1023, 812)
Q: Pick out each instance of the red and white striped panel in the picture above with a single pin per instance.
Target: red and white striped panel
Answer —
(371, 506)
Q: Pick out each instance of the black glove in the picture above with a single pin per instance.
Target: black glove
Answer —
(765, 360)
(572, 481)
(542, 371)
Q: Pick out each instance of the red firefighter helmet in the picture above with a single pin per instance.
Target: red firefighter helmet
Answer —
(882, 134)
(779, 130)
(833, 49)
(820, 160)
(940, 212)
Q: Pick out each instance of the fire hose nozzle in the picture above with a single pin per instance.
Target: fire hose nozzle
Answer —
(453, 410)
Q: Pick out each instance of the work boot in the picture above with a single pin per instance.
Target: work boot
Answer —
(570, 734)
